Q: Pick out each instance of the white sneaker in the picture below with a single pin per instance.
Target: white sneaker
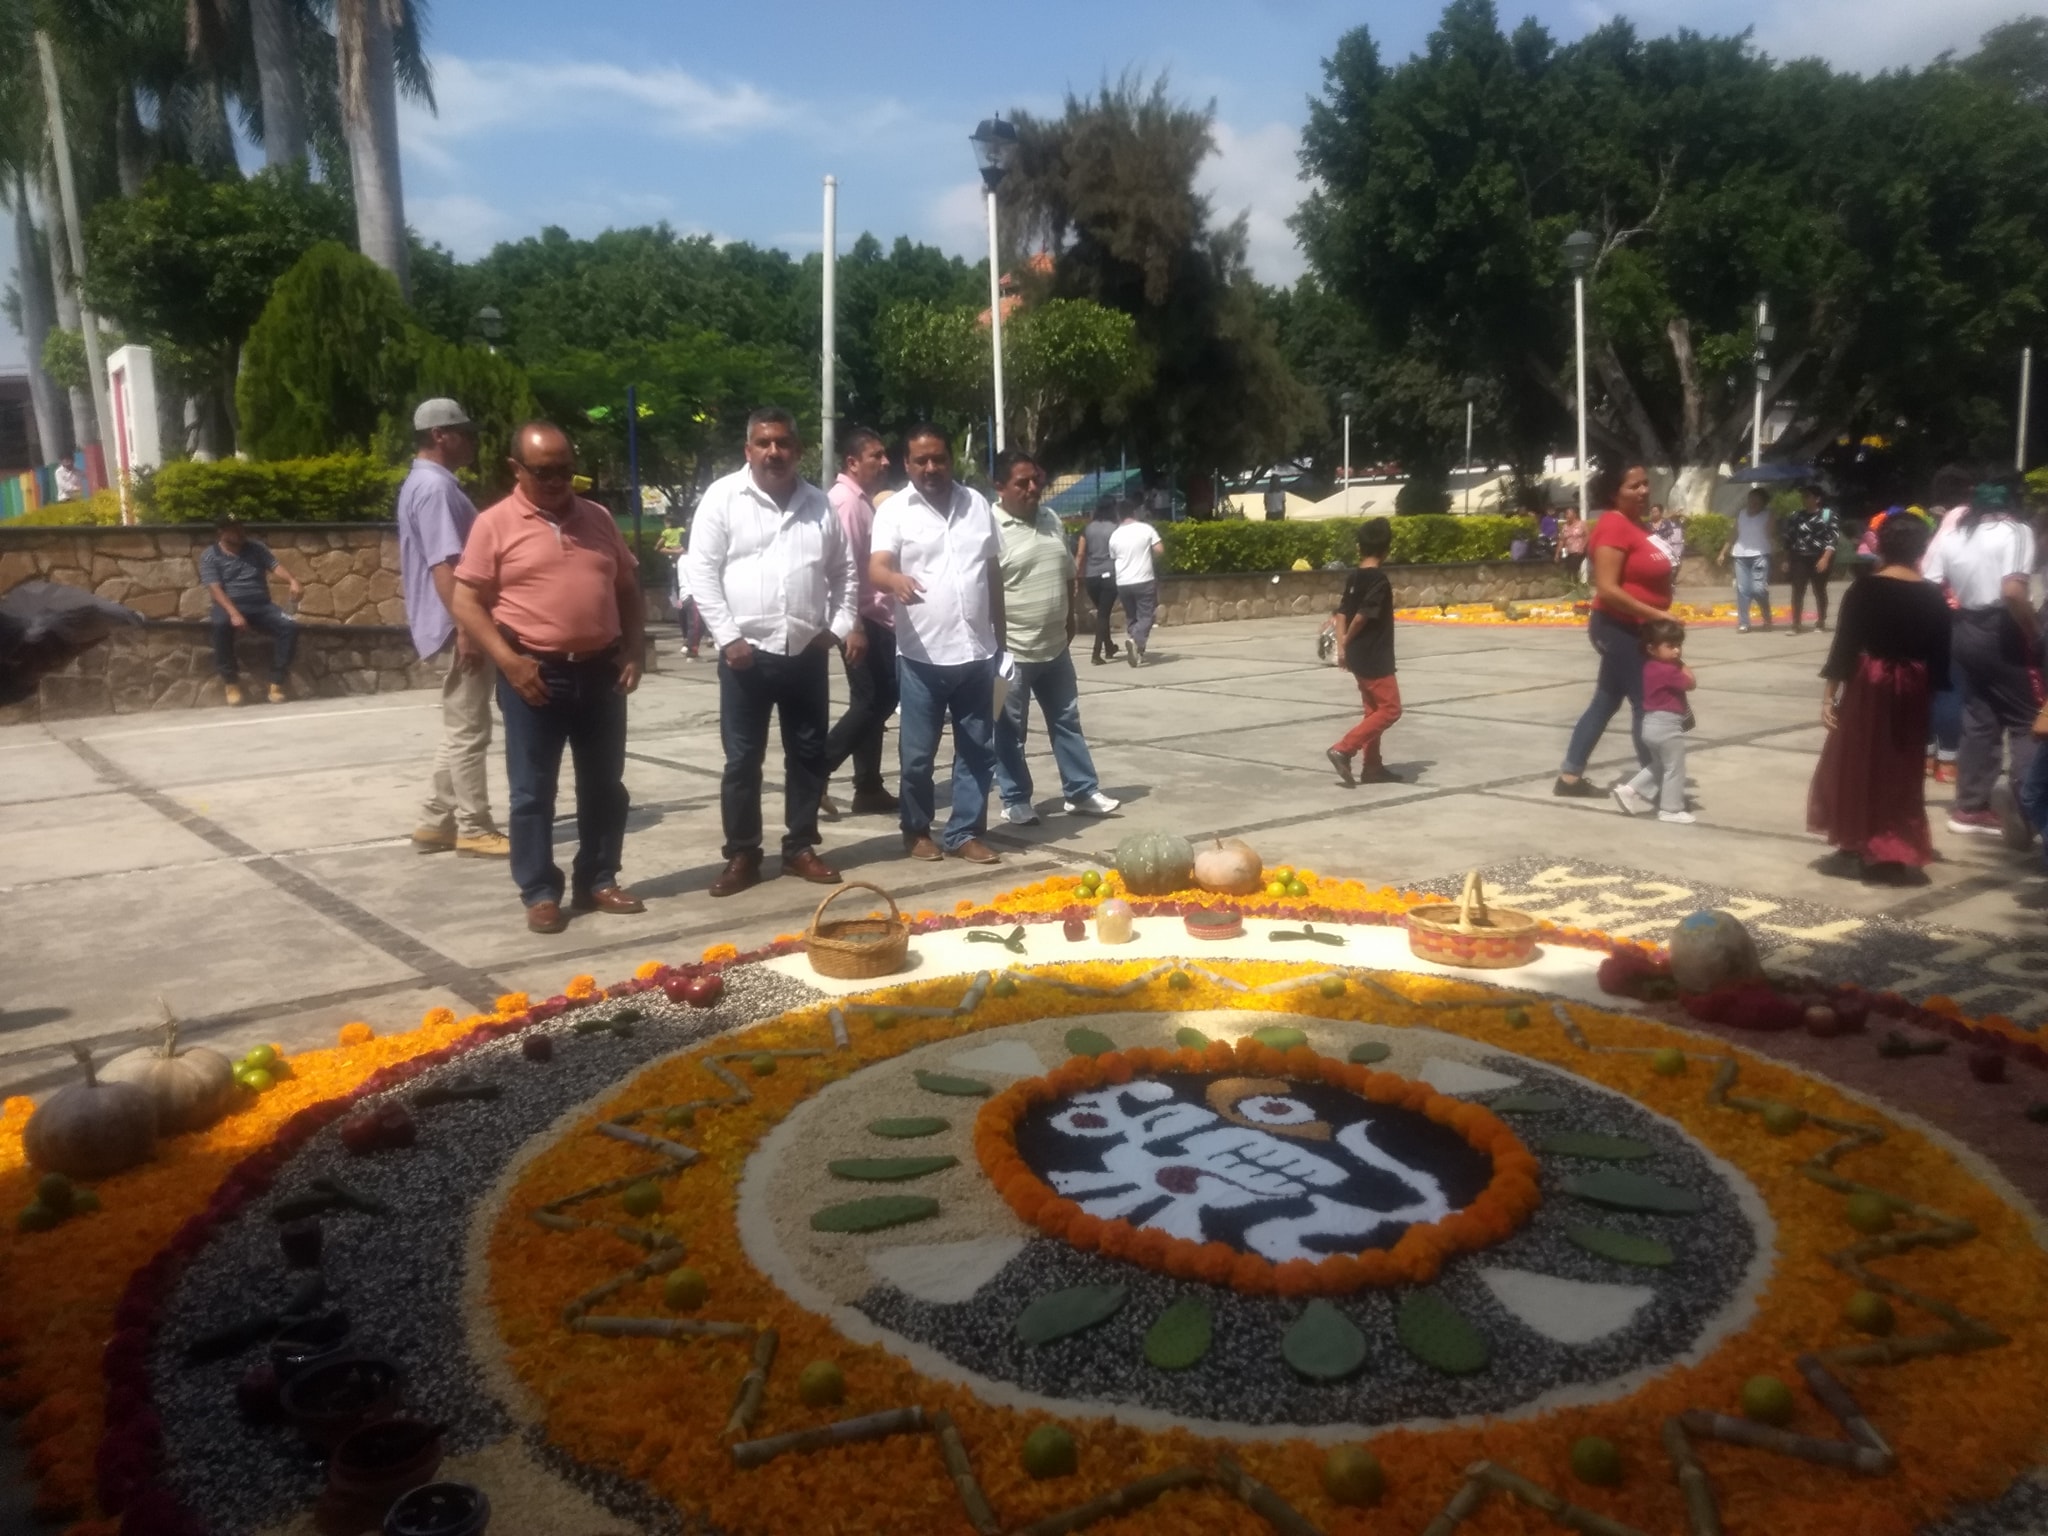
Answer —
(1631, 802)
(1020, 815)
(1678, 818)
(1133, 655)
(1097, 804)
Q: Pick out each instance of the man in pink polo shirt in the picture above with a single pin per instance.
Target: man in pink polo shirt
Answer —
(871, 681)
(548, 590)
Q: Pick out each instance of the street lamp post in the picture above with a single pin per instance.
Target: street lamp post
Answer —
(1766, 333)
(1580, 248)
(995, 145)
(1349, 401)
(2026, 404)
(1471, 393)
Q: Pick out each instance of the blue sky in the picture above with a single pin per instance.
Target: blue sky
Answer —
(723, 119)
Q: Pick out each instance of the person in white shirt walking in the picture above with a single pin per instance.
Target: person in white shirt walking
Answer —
(1039, 620)
(434, 518)
(937, 556)
(1986, 559)
(1134, 548)
(772, 575)
(870, 682)
(1750, 553)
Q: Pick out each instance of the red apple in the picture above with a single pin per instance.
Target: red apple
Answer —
(1075, 928)
(1823, 1021)
(1854, 1011)
(1987, 1065)
(704, 991)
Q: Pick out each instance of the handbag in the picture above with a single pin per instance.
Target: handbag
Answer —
(1687, 722)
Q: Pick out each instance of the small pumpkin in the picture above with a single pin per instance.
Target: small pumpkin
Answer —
(1154, 863)
(1228, 865)
(191, 1088)
(91, 1129)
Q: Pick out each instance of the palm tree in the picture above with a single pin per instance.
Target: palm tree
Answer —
(281, 89)
(375, 42)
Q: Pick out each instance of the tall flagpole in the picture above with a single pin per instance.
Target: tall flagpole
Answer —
(828, 383)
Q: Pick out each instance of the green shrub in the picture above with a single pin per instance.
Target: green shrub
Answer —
(99, 510)
(347, 488)
(1422, 539)
(1707, 534)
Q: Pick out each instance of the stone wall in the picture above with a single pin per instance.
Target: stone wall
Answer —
(350, 571)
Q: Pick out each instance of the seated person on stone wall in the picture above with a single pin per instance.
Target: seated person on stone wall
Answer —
(236, 570)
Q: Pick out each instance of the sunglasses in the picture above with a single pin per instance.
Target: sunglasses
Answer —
(549, 474)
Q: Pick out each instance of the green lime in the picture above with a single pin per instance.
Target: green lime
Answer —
(1353, 1476)
(1333, 986)
(1767, 1400)
(1783, 1119)
(37, 1217)
(1595, 1460)
(83, 1202)
(1006, 986)
(885, 1021)
(1669, 1061)
(261, 1056)
(1868, 1312)
(1868, 1213)
(642, 1199)
(763, 1065)
(55, 1191)
(256, 1079)
(1518, 1018)
(1049, 1452)
(822, 1384)
(1090, 880)
(1296, 888)
(685, 1289)
(679, 1120)
(1276, 888)
(1180, 981)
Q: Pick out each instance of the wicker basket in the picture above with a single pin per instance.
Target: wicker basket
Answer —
(858, 948)
(1468, 933)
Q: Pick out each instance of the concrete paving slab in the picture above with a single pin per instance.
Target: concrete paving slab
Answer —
(39, 841)
(45, 770)
(199, 747)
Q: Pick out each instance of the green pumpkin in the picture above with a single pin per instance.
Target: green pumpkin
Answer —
(1154, 863)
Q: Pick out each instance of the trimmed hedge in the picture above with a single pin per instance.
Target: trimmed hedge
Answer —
(102, 509)
(1707, 534)
(1425, 539)
(346, 488)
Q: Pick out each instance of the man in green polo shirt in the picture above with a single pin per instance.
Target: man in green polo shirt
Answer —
(1038, 626)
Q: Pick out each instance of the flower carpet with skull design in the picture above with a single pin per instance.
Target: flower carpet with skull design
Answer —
(1287, 1233)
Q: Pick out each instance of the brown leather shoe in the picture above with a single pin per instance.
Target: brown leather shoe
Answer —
(546, 917)
(608, 898)
(975, 851)
(806, 863)
(741, 871)
(921, 846)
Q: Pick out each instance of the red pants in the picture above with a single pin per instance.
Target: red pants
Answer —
(1382, 699)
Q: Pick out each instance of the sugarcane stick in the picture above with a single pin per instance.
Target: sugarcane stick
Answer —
(742, 1093)
(873, 1426)
(961, 1470)
(837, 1020)
(675, 1151)
(1763, 1437)
(1834, 1397)
(611, 1187)
(1470, 1495)
(1703, 1516)
(976, 990)
(556, 1223)
(1261, 1500)
(664, 1260)
(1494, 1475)
(1121, 1501)
(660, 1328)
(747, 1403)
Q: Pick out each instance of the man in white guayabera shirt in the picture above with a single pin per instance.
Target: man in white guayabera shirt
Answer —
(937, 556)
(772, 573)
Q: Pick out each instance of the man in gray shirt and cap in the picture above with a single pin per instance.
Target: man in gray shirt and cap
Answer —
(434, 517)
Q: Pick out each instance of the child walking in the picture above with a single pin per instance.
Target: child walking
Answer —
(1365, 636)
(1666, 682)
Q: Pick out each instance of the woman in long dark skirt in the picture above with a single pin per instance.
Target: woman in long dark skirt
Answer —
(1890, 653)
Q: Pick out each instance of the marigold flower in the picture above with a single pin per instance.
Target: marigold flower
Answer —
(511, 1003)
(357, 1033)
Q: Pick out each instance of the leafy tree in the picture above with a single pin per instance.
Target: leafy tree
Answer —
(2014, 58)
(934, 362)
(1108, 188)
(190, 263)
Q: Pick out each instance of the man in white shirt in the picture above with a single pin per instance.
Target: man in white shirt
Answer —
(1750, 553)
(1133, 547)
(937, 557)
(1039, 589)
(871, 682)
(773, 578)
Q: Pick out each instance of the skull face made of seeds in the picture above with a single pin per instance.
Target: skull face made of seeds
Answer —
(1283, 1169)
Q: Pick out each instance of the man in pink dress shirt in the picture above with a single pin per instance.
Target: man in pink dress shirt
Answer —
(863, 467)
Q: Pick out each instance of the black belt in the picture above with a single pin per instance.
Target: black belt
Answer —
(562, 658)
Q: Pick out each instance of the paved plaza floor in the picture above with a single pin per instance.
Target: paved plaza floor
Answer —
(253, 868)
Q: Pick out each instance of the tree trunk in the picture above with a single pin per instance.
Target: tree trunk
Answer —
(369, 107)
(38, 316)
(1692, 488)
(84, 424)
(277, 75)
(211, 136)
(133, 149)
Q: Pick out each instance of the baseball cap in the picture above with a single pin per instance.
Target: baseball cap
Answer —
(439, 413)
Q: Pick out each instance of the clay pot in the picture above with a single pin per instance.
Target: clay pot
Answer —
(440, 1509)
(372, 1468)
(331, 1398)
(306, 1340)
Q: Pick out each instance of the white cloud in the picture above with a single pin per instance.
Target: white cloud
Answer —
(468, 226)
(1861, 35)
(1258, 173)
(479, 97)
(956, 221)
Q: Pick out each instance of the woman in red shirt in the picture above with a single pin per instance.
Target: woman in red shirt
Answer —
(1631, 582)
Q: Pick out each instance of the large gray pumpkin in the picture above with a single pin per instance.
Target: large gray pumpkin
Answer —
(91, 1129)
(191, 1088)
(1153, 863)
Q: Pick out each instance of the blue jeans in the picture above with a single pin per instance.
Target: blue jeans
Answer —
(1058, 693)
(929, 694)
(264, 619)
(1752, 581)
(587, 713)
(2034, 795)
(1620, 680)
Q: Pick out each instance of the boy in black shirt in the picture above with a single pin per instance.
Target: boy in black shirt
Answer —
(1366, 636)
